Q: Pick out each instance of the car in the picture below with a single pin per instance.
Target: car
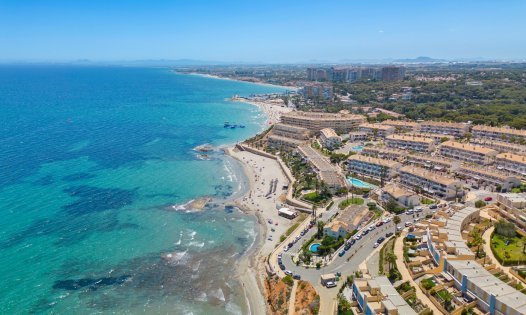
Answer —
(347, 246)
(376, 244)
(365, 232)
(372, 227)
(296, 277)
(410, 211)
(341, 253)
(379, 223)
(330, 284)
(352, 242)
(433, 206)
(388, 234)
(282, 266)
(280, 255)
(488, 199)
(398, 229)
(380, 240)
(408, 224)
(285, 249)
(269, 238)
(288, 272)
(357, 237)
(418, 209)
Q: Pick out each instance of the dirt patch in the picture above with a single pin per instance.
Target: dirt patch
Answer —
(307, 300)
(277, 295)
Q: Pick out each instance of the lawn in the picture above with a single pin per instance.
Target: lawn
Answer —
(353, 201)
(511, 253)
(314, 197)
(426, 201)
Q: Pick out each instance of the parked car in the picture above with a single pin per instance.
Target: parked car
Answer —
(380, 240)
(410, 211)
(488, 199)
(379, 223)
(376, 245)
(347, 246)
(296, 277)
(433, 206)
(282, 266)
(288, 272)
(341, 253)
(408, 224)
(330, 284)
(388, 234)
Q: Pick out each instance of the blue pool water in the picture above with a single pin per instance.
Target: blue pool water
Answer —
(314, 247)
(357, 148)
(359, 183)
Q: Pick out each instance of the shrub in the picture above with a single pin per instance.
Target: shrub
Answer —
(479, 203)
(288, 280)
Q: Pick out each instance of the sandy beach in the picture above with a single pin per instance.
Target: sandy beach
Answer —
(260, 171)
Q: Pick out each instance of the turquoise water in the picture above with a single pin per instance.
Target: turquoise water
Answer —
(359, 183)
(357, 148)
(314, 247)
(96, 168)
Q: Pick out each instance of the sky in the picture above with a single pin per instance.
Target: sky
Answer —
(270, 31)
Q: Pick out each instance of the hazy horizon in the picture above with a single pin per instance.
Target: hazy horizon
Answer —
(260, 33)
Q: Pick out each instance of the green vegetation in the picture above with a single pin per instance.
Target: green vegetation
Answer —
(508, 250)
(426, 201)
(428, 284)
(288, 280)
(329, 245)
(344, 307)
(480, 204)
(505, 228)
(393, 206)
(353, 201)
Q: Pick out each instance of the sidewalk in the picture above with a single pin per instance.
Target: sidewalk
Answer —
(292, 299)
(399, 252)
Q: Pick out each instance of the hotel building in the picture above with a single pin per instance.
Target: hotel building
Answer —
(402, 126)
(318, 121)
(327, 172)
(410, 143)
(511, 162)
(370, 166)
(468, 152)
(446, 128)
(376, 130)
(486, 176)
(430, 182)
(329, 138)
(287, 137)
(498, 133)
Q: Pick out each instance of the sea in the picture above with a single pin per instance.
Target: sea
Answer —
(98, 167)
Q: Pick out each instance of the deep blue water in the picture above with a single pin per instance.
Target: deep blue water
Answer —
(96, 164)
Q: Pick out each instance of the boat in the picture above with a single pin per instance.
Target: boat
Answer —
(233, 126)
(241, 126)
(226, 125)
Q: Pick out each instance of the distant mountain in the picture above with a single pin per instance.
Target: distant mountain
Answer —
(421, 59)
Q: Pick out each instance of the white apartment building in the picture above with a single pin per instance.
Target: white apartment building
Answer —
(403, 196)
(447, 128)
(315, 122)
(283, 143)
(513, 207)
(412, 143)
(402, 126)
(511, 162)
(432, 162)
(430, 182)
(376, 130)
(498, 133)
(437, 137)
(468, 152)
(290, 131)
(485, 176)
(370, 166)
(500, 146)
(384, 153)
(329, 138)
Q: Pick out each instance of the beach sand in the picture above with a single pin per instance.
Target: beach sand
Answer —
(272, 110)
(260, 171)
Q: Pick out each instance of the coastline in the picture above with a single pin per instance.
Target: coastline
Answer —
(212, 76)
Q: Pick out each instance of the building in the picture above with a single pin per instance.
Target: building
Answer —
(317, 74)
(484, 176)
(500, 146)
(492, 295)
(432, 162)
(358, 136)
(283, 143)
(468, 152)
(412, 143)
(370, 166)
(376, 130)
(290, 131)
(457, 130)
(329, 139)
(287, 213)
(430, 182)
(402, 126)
(393, 73)
(511, 162)
(378, 296)
(402, 195)
(388, 112)
(384, 153)
(336, 229)
(498, 133)
(437, 137)
(513, 207)
(326, 172)
(317, 91)
(318, 121)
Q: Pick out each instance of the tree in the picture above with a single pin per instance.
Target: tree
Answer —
(477, 240)
(396, 221)
(320, 226)
(505, 228)
(391, 259)
(391, 205)
(479, 203)
(383, 175)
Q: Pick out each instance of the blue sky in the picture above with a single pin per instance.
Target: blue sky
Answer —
(260, 31)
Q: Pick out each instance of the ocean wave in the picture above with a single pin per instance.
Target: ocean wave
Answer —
(218, 294)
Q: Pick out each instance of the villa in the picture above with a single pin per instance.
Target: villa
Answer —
(468, 152)
(336, 229)
(411, 143)
(403, 196)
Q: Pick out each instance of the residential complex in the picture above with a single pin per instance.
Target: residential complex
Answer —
(432, 162)
(317, 121)
(320, 91)
(402, 126)
(401, 195)
(511, 162)
(287, 137)
(484, 176)
(513, 207)
(410, 143)
(468, 152)
(370, 166)
(500, 146)
(384, 153)
(454, 129)
(327, 172)
(430, 182)
(376, 130)
(498, 133)
(387, 73)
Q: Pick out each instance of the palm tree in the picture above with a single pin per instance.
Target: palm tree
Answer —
(477, 240)
(391, 259)
(396, 220)
(314, 212)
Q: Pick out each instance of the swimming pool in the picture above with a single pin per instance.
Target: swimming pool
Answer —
(360, 184)
(314, 247)
(357, 148)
